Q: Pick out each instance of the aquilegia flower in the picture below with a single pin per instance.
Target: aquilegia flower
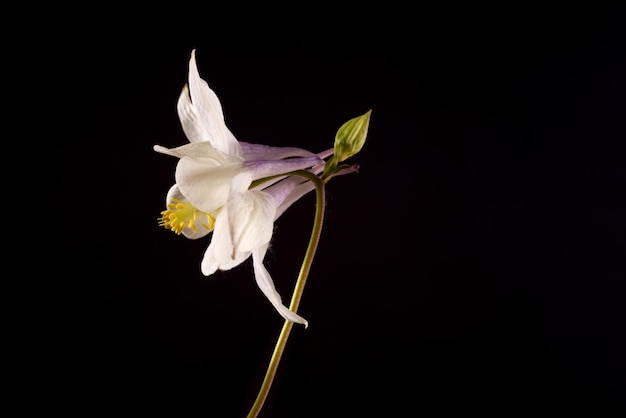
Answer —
(213, 190)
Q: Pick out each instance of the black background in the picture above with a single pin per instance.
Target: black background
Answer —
(474, 265)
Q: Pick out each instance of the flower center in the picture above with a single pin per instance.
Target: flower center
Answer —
(180, 215)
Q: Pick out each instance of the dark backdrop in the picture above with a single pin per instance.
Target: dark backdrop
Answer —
(474, 265)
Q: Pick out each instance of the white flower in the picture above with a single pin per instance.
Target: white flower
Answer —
(212, 191)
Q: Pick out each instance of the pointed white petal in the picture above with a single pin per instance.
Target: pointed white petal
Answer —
(198, 149)
(251, 215)
(265, 152)
(189, 118)
(163, 150)
(206, 186)
(209, 110)
(266, 284)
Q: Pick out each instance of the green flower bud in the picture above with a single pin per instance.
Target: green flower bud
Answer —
(351, 136)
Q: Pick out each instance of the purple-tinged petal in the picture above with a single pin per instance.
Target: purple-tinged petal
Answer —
(327, 153)
(198, 149)
(251, 152)
(281, 189)
(262, 169)
(296, 194)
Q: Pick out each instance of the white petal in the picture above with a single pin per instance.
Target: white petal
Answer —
(209, 111)
(210, 263)
(218, 254)
(189, 118)
(240, 257)
(205, 185)
(266, 284)
(251, 215)
(265, 152)
(200, 232)
(174, 193)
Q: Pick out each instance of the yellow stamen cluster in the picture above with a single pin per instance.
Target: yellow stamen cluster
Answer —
(180, 215)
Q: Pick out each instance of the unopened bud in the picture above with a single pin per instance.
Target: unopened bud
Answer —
(351, 136)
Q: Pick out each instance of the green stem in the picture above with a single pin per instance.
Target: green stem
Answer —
(297, 292)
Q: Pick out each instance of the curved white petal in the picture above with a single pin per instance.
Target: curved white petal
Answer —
(209, 111)
(174, 195)
(210, 264)
(240, 257)
(205, 185)
(265, 152)
(251, 215)
(266, 284)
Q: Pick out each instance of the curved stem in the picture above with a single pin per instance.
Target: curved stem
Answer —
(297, 292)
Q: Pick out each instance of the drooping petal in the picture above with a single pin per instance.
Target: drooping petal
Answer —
(251, 152)
(266, 284)
(266, 168)
(251, 215)
(209, 111)
(205, 185)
